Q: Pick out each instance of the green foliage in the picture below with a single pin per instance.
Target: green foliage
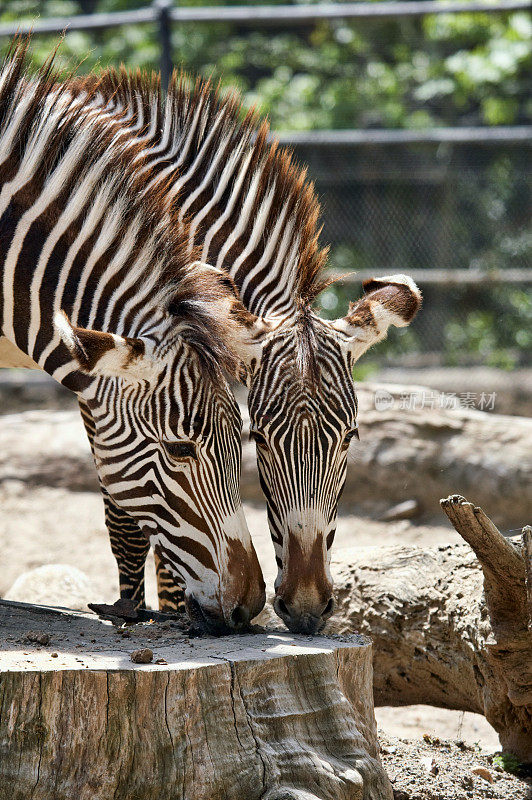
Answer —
(508, 762)
(409, 72)
(450, 69)
(494, 334)
(364, 371)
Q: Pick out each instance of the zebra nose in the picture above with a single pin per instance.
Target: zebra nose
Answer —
(249, 606)
(239, 617)
(205, 619)
(304, 618)
(217, 622)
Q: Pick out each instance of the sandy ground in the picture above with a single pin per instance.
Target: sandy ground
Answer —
(42, 525)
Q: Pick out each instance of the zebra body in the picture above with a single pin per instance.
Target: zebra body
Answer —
(98, 289)
(251, 212)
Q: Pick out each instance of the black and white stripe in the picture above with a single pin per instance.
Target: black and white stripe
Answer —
(251, 213)
(98, 289)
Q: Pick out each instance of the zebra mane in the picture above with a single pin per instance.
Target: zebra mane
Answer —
(160, 260)
(250, 208)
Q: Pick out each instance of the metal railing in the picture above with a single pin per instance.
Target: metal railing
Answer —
(478, 135)
(163, 13)
(445, 277)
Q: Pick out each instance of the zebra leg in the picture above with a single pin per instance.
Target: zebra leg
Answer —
(130, 548)
(171, 596)
(129, 545)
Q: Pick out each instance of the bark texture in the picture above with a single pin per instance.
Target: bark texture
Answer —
(274, 717)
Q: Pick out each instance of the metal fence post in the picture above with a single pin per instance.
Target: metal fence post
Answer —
(164, 29)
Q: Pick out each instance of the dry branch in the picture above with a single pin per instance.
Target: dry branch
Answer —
(503, 566)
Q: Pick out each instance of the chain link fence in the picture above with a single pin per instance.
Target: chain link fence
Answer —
(400, 192)
(457, 216)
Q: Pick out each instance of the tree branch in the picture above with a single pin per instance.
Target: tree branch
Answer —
(502, 565)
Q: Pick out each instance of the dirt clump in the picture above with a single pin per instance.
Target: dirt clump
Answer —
(143, 656)
(37, 637)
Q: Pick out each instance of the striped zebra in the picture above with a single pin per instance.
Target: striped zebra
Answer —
(99, 288)
(251, 212)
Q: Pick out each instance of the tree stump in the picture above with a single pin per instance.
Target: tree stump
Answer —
(267, 715)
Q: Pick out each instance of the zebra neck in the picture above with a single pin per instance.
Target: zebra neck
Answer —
(249, 207)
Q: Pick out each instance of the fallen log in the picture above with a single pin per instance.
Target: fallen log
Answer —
(89, 711)
(420, 452)
(451, 625)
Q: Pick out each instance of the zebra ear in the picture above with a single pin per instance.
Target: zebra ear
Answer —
(392, 300)
(106, 354)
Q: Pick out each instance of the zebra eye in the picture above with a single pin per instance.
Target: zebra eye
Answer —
(181, 451)
(350, 435)
(258, 438)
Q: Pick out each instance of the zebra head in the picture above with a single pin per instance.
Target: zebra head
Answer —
(86, 229)
(167, 448)
(303, 414)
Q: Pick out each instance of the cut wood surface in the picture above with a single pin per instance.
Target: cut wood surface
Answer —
(267, 715)
(450, 625)
(409, 451)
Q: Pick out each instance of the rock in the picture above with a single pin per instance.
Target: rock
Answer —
(483, 773)
(143, 656)
(406, 510)
(53, 585)
(430, 765)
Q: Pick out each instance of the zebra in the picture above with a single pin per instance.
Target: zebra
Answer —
(252, 212)
(99, 288)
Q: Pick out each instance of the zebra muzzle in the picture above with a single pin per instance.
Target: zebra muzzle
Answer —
(205, 620)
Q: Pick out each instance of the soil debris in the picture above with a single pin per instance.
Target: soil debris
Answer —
(37, 637)
(143, 656)
(482, 772)
(456, 772)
